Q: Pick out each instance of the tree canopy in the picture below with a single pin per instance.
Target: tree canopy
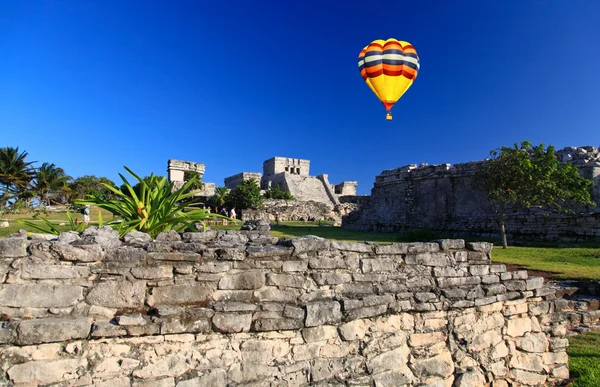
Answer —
(524, 176)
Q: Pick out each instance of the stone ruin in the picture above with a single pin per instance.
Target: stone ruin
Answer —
(293, 176)
(242, 308)
(443, 198)
(176, 172)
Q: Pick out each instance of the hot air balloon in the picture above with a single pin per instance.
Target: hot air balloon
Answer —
(389, 67)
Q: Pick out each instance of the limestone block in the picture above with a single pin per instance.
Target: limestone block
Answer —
(247, 280)
(516, 285)
(47, 330)
(196, 294)
(13, 247)
(533, 342)
(104, 329)
(276, 324)
(118, 294)
(485, 247)
(396, 248)
(233, 295)
(80, 253)
(273, 294)
(323, 369)
(500, 351)
(354, 330)
(207, 236)
(137, 238)
(528, 378)
(331, 278)
(104, 236)
(126, 256)
(478, 257)
(527, 361)
(558, 343)
(171, 365)
(399, 377)
(561, 372)
(428, 259)
(320, 333)
(39, 271)
(152, 272)
(359, 247)
(294, 266)
(381, 265)
(490, 279)
(232, 322)
(441, 365)
(269, 251)
(420, 339)
(485, 340)
(293, 312)
(361, 288)
(389, 360)
(472, 378)
(131, 320)
(327, 263)
(450, 282)
(451, 244)
(168, 236)
(553, 358)
(449, 272)
(214, 378)
(163, 382)
(176, 257)
(286, 280)
(367, 311)
(214, 267)
(324, 312)
(383, 299)
(307, 351)
(234, 307)
(518, 326)
(45, 371)
(479, 269)
(494, 289)
(309, 243)
(535, 283)
(39, 295)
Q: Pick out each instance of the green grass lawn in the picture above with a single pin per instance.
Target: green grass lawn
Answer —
(584, 359)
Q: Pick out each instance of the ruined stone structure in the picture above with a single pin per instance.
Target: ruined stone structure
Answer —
(176, 170)
(293, 176)
(233, 308)
(275, 210)
(443, 198)
(234, 181)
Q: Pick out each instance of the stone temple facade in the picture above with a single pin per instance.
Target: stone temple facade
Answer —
(293, 176)
(176, 171)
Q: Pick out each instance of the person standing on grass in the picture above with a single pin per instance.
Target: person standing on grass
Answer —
(86, 214)
(232, 213)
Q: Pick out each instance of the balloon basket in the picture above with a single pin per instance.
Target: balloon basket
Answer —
(388, 116)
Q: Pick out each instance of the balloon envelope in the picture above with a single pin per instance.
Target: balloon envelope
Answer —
(389, 67)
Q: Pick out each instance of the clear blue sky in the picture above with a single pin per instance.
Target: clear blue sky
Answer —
(93, 86)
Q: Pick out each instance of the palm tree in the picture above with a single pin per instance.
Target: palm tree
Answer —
(15, 173)
(50, 183)
(220, 195)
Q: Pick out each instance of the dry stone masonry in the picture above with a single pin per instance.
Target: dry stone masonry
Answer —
(443, 198)
(242, 308)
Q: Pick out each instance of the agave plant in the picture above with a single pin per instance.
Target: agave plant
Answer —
(154, 209)
(49, 228)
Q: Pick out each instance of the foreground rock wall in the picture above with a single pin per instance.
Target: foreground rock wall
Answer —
(443, 198)
(241, 308)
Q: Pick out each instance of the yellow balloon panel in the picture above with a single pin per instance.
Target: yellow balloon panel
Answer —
(389, 67)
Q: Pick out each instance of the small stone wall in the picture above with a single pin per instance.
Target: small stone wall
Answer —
(275, 210)
(233, 308)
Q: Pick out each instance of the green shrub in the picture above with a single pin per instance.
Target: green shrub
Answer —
(278, 193)
(155, 209)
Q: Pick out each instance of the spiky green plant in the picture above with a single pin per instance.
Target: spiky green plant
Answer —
(49, 228)
(157, 208)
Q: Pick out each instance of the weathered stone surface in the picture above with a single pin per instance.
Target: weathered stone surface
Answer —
(402, 376)
(269, 251)
(428, 259)
(134, 320)
(214, 378)
(389, 360)
(276, 324)
(118, 294)
(126, 256)
(207, 236)
(137, 238)
(451, 244)
(104, 236)
(471, 378)
(232, 322)
(485, 247)
(354, 330)
(359, 247)
(171, 365)
(152, 272)
(518, 326)
(13, 247)
(286, 280)
(440, 365)
(309, 243)
(533, 342)
(37, 271)
(319, 333)
(247, 280)
(45, 371)
(397, 248)
(47, 330)
(177, 257)
(68, 237)
(195, 294)
(39, 295)
(168, 236)
(321, 313)
(79, 253)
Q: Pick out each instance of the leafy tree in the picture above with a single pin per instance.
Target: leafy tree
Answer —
(91, 185)
(245, 195)
(15, 173)
(524, 176)
(278, 193)
(197, 180)
(220, 196)
(50, 183)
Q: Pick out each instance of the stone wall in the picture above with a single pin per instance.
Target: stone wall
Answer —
(232, 182)
(275, 210)
(246, 309)
(443, 198)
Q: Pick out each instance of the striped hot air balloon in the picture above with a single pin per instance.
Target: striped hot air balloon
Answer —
(389, 67)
